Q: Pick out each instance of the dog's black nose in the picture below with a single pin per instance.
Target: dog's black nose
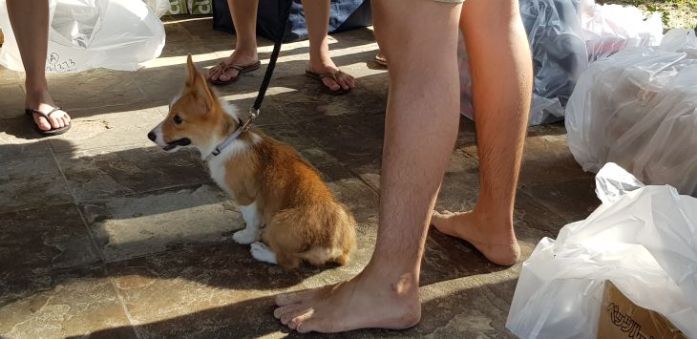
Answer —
(152, 136)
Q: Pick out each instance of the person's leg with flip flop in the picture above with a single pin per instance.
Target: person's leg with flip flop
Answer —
(245, 59)
(321, 66)
(32, 40)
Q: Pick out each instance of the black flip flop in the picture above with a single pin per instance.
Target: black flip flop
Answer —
(55, 131)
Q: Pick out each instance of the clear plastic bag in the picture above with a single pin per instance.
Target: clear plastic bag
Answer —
(643, 239)
(558, 52)
(638, 108)
(85, 34)
(565, 35)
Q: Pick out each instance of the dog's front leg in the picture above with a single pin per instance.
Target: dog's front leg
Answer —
(250, 234)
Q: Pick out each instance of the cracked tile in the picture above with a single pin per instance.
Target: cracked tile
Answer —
(64, 305)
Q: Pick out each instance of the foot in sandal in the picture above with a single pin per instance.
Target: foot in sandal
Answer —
(230, 69)
(330, 76)
(47, 118)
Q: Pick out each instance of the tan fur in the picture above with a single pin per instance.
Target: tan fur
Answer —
(303, 220)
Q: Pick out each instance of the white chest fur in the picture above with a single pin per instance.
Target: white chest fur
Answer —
(216, 167)
(217, 164)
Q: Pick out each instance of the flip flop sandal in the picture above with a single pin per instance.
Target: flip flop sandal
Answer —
(381, 60)
(241, 69)
(333, 75)
(55, 131)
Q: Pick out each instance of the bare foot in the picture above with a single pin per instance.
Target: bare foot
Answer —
(41, 101)
(362, 302)
(501, 248)
(223, 73)
(343, 80)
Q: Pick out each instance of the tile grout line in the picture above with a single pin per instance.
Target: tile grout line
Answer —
(76, 204)
(129, 317)
(93, 243)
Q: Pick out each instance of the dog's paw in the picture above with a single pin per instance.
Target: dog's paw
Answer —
(262, 253)
(245, 236)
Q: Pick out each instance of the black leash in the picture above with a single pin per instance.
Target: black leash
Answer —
(284, 15)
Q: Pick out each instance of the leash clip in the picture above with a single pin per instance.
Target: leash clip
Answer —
(253, 113)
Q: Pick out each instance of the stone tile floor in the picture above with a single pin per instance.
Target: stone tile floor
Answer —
(101, 233)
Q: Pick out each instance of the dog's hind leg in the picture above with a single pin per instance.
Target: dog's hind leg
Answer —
(285, 238)
(262, 253)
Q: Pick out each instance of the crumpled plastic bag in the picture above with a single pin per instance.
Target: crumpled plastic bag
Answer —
(638, 108)
(558, 52)
(159, 7)
(564, 36)
(85, 34)
(609, 29)
(643, 239)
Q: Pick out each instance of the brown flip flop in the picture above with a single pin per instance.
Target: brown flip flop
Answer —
(55, 131)
(333, 75)
(241, 69)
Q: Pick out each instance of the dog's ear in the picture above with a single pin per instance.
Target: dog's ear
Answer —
(198, 85)
(191, 71)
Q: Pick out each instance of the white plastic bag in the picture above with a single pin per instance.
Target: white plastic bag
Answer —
(609, 29)
(643, 239)
(638, 108)
(85, 34)
(565, 35)
(159, 7)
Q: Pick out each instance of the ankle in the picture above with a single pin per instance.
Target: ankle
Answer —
(498, 217)
(402, 287)
(321, 59)
(36, 87)
(245, 51)
(321, 63)
(37, 96)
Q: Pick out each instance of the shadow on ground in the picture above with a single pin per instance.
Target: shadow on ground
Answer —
(105, 234)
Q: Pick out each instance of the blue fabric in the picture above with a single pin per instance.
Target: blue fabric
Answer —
(344, 15)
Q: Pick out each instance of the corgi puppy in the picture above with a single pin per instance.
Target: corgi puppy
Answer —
(290, 214)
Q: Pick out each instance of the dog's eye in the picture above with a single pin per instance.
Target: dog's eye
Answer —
(177, 119)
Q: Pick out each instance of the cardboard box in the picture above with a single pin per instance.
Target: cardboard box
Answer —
(621, 318)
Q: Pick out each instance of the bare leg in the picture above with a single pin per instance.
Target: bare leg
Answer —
(244, 17)
(317, 16)
(421, 127)
(32, 40)
(495, 35)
